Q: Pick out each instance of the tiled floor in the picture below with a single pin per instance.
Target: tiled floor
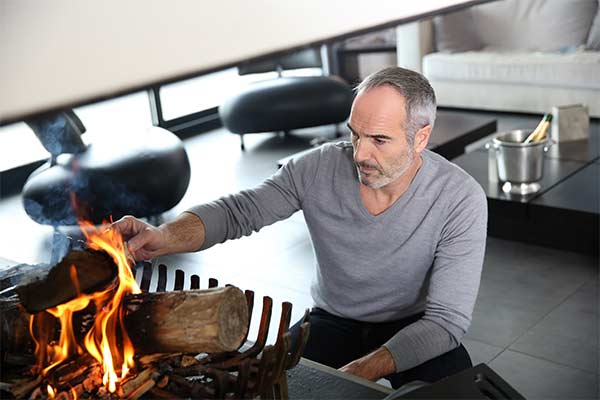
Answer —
(536, 318)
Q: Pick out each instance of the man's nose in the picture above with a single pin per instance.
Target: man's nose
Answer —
(361, 150)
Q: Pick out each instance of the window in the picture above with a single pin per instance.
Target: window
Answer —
(20, 146)
(209, 91)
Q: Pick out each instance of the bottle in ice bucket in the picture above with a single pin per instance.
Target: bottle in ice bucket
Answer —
(540, 132)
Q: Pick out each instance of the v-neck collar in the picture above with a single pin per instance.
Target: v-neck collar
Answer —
(400, 202)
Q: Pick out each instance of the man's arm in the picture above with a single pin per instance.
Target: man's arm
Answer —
(277, 198)
(372, 366)
(144, 241)
(227, 218)
(453, 285)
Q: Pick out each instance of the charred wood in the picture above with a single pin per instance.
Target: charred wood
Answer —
(159, 393)
(212, 320)
(80, 271)
(128, 387)
(74, 372)
(22, 388)
(14, 325)
(141, 390)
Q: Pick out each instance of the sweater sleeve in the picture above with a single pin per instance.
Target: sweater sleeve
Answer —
(453, 285)
(277, 198)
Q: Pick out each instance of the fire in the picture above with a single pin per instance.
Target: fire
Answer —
(67, 344)
(107, 341)
(51, 392)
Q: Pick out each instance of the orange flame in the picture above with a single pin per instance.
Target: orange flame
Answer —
(107, 341)
(66, 343)
(51, 392)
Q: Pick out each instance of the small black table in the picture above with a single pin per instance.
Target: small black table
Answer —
(563, 214)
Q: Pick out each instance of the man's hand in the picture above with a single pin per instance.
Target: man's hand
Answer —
(144, 241)
(372, 366)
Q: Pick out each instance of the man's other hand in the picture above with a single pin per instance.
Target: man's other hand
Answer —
(372, 366)
(144, 241)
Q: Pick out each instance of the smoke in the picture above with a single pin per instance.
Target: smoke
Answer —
(61, 244)
(59, 133)
(53, 132)
(84, 195)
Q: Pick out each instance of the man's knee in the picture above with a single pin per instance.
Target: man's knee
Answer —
(331, 341)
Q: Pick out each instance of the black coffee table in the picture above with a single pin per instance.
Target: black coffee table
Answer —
(564, 213)
(451, 133)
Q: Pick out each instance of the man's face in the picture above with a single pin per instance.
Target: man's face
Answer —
(381, 151)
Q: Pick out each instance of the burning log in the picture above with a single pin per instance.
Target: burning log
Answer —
(211, 320)
(80, 271)
(131, 386)
(141, 390)
(92, 380)
(74, 372)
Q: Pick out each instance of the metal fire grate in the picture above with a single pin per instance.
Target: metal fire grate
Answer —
(258, 370)
(255, 370)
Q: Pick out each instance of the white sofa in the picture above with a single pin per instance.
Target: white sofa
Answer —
(511, 55)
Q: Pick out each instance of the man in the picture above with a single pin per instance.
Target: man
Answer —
(398, 231)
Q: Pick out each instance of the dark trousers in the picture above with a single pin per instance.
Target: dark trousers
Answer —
(336, 341)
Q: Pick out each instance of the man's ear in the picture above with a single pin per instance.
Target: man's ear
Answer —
(422, 138)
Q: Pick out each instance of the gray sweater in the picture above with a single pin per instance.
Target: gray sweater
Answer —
(423, 254)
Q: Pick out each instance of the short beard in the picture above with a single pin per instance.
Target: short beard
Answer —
(386, 180)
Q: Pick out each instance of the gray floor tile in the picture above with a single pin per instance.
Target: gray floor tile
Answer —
(481, 352)
(520, 285)
(539, 379)
(500, 325)
(569, 334)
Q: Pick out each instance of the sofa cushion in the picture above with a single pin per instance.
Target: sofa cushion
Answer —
(572, 70)
(455, 32)
(543, 25)
(593, 40)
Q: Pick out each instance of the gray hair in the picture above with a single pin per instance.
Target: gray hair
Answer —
(416, 90)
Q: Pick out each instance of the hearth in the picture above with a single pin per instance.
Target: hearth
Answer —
(163, 367)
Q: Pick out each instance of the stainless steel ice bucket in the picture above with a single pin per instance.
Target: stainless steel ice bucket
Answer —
(519, 162)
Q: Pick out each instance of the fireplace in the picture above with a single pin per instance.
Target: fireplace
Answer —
(153, 368)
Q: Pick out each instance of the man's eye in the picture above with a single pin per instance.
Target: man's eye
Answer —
(379, 141)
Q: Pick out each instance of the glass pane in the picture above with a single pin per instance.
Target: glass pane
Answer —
(19, 145)
(196, 94)
(209, 91)
(116, 116)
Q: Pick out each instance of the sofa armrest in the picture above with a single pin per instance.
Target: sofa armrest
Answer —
(413, 42)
